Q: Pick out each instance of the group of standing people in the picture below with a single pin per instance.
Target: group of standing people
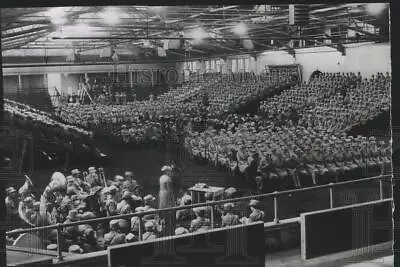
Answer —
(90, 195)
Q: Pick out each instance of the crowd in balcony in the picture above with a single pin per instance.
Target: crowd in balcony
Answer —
(45, 127)
(89, 194)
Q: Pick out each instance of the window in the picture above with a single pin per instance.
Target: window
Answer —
(234, 65)
(212, 67)
(191, 66)
(246, 65)
(219, 65)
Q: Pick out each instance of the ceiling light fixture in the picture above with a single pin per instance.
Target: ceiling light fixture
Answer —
(198, 35)
(111, 15)
(57, 15)
(240, 29)
(375, 9)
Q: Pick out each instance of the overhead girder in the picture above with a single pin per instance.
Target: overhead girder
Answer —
(23, 32)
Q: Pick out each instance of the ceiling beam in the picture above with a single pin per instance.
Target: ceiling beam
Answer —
(16, 45)
(10, 39)
(19, 33)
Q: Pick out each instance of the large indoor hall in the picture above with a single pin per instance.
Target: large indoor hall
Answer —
(204, 135)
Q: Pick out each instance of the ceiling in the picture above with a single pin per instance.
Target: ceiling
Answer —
(137, 31)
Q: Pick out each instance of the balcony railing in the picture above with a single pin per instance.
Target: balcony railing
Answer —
(275, 196)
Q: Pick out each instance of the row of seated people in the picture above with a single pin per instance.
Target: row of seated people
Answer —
(31, 118)
(91, 195)
(183, 92)
(362, 102)
(98, 114)
(287, 69)
(290, 156)
(225, 90)
(89, 116)
(302, 95)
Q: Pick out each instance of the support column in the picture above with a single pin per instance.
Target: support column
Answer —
(131, 78)
(19, 89)
(19, 82)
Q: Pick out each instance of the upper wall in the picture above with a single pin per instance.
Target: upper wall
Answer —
(365, 58)
(76, 68)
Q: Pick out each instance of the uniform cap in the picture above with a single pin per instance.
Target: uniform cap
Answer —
(166, 168)
(10, 190)
(149, 198)
(75, 171)
(52, 247)
(254, 203)
(128, 173)
(228, 206)
(181, 231)
(75, 249)
(149, 225)
(119, 178)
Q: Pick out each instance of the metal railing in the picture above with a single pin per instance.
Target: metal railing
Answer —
(275, 195)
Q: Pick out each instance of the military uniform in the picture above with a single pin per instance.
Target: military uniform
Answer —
(233, 163)
(149, 231)
(93, 180)
(229, 219)
(309, 163)
(241, 157)
(12, 207)
(114, 237)
(333, 170)
(279, 169)
(256, 213)
(111, 207)
(291, 162)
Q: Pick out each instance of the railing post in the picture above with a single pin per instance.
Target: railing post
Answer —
(59, 242)
(381, 188)
(276, 219)
(331, 195)
(140, 228)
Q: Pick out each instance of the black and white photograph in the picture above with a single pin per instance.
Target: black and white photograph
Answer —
(197, 135)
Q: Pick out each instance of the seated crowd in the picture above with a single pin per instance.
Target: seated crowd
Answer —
(227, 92)
(361, 102)
(224, 92)
(283, 152)
(26, 112)
(303, 95)
(46, 130)
(290, 156)
(90, 195)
